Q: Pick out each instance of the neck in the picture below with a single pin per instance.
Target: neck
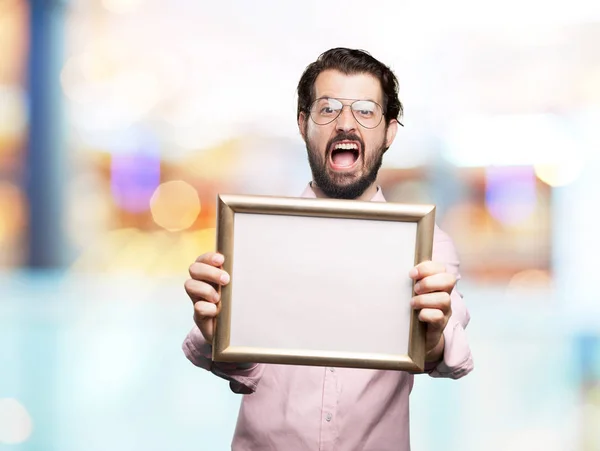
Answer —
(366, 196)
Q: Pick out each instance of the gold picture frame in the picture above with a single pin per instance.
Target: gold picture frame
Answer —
(321, 282)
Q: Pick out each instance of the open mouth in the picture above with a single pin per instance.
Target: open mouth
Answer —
(345, 154)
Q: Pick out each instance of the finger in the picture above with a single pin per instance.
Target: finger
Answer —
(440, 300)
(437, 282)
(425, 269)
(201, 291)
(434, 318)
(207, 273)
(211, 258)
(205, 310)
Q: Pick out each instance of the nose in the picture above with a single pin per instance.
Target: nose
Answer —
(346, 122)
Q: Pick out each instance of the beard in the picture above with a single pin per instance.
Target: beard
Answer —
(342, 185)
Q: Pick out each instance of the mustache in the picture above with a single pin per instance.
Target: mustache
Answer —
(345, 137)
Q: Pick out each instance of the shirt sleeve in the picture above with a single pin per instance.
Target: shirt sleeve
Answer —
(457, 361)
(243, 378)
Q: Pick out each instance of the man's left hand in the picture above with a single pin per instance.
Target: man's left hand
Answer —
(433, 286)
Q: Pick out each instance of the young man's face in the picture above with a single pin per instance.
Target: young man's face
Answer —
(344, 155)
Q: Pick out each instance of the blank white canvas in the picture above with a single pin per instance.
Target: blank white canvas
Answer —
(315, 283)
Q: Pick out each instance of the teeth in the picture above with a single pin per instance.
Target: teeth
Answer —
(346, 146)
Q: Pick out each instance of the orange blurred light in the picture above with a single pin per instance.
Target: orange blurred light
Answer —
(175, 205)
(127, 251)
(530, 279)
(14, 30)
(13, 117)
(562, 174)
(12, 211)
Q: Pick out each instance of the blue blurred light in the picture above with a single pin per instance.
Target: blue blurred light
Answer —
(135, 175)
(510, 195)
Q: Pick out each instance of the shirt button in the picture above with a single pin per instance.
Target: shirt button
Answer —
(328, 417)
(332, 369)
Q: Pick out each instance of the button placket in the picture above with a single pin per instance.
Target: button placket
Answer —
(329, 429)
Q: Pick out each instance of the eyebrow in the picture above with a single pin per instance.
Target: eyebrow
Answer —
(343, 98)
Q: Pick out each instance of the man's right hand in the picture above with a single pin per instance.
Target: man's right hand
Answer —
(206, 276)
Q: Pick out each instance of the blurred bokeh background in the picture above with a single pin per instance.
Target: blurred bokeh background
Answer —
(120, 121)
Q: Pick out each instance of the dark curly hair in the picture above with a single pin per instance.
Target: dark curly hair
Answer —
(351, 61)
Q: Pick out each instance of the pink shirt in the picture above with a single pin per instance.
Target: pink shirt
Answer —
(293, 408)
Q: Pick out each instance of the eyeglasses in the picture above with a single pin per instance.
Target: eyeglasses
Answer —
(325, 110)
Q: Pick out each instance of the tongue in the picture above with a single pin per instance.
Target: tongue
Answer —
(343, 158)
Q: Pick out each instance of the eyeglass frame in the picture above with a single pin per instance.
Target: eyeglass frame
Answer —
(351, 110)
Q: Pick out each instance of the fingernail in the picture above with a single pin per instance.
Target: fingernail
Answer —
(413, 273)
(216, 297)
(417, 286)
(218, 259)
(224, 278)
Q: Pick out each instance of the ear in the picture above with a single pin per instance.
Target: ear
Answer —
(302, 125)
(390, 133)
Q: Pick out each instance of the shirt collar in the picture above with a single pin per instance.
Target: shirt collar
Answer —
(378, 197)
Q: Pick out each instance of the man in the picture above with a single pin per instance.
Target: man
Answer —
(348, 110)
